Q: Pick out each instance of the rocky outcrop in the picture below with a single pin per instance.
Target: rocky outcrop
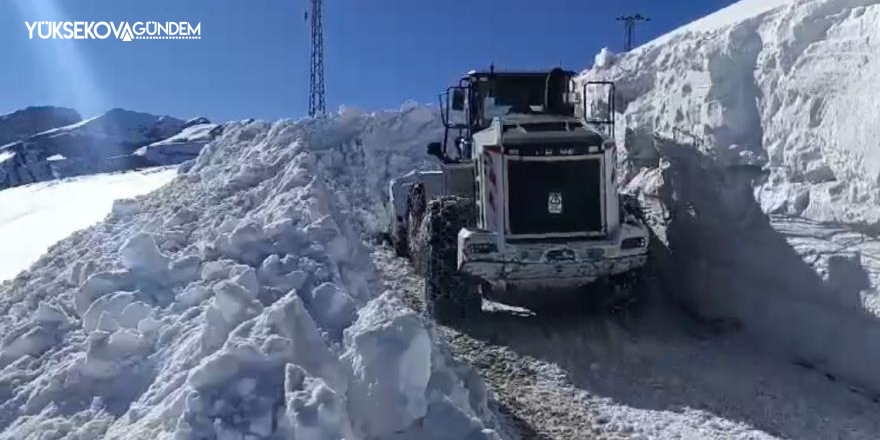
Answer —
(23, 123)
(100, 144)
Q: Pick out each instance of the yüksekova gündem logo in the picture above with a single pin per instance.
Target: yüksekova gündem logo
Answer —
(90, 30)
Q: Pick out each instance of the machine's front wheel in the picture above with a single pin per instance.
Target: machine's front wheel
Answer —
(400, 242)
(450, 297)
(621, 293)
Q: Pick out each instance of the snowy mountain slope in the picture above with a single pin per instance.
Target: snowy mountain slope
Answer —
(99, 144)
(32, 120)
(236, 302)
(787, 85)
(36, 216)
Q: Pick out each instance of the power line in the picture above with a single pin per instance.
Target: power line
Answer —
(316, 75)
(629, 24)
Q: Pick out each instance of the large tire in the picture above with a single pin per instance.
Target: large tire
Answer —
(400, 242)
(450, 296)
(621, 294)
(630, 207)
(416, 205)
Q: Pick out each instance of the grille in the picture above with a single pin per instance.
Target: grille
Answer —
(554, 197)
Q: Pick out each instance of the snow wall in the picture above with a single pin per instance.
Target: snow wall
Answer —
(716, 254)
(238, 302)
(764, 106)
(787, 84)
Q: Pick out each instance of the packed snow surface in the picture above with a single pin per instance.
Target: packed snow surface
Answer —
(789, 86)
(34, 217)
(238, 302)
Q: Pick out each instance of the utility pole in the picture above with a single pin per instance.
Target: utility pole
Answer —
(316, 75)
(629, 24)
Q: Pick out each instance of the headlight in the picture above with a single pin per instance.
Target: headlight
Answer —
(481, 248)
(633, 243)
(595, 253)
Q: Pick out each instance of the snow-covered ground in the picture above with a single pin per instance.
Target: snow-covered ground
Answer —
(34, 217)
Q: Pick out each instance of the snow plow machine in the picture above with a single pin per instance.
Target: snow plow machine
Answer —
(526, 199)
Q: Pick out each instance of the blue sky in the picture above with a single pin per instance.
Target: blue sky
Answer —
(252, 59)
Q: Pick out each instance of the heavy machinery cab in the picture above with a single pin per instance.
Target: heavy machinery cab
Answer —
(482, 96)
(536, 170)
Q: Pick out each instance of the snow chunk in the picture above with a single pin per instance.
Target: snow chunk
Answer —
(216, 270)
(312, 410)
(124, 208)
(232, 305)
(389, 352)
(98, 285)
(141, 254)
(234, 301)
(282, 273)
(49, 314)
(185, 269)
(247, 243)
(604, 59)
(245, 276)
(107, 307)
(27, 341)
(332, 307)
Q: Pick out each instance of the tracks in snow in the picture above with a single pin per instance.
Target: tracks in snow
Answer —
(533, 404)
(659, 376)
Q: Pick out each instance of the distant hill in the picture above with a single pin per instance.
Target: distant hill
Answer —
(41, 150)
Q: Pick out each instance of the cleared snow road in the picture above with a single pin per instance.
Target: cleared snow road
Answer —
(34, 217)
(660, 376)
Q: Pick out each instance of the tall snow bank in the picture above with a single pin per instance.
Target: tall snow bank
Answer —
(718, 254)
(238, 302)
(787, 84)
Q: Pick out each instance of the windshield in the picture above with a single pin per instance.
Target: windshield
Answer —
(516, 92)
(502, 95)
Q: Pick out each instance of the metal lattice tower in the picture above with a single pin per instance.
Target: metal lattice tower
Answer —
(316, 76)
(629, 24)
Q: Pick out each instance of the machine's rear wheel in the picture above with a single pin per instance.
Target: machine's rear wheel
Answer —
(416, 204)
(450, 297)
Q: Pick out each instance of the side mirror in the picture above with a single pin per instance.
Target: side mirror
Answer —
(435, 149)
(458, 99)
